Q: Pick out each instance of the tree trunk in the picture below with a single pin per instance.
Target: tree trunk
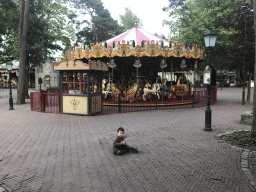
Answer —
(23, 33)
(249, 89)
(26, 83)
(253, 129)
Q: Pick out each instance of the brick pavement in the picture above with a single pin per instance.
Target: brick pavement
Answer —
(57, 152)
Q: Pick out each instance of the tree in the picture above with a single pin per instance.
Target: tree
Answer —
(193, 18)
(39, 40)
(240, 52)
(161, 36)
(128, 19)
(8, 30)
(100, 26)
(253, 129)
(23, 33)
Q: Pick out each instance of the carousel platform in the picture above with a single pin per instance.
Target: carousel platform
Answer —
(152, 103)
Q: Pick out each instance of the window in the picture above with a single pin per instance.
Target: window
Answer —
(95, 84)
(47, 81)
(74, 83)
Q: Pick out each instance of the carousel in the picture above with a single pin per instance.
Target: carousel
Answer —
(130, 69)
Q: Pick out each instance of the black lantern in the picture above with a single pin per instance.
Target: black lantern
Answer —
(9, 69)
(209, 40)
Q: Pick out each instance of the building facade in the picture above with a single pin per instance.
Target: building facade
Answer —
(49, 77)
(4, 75)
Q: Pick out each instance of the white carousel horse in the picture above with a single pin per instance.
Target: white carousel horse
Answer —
(147, 90)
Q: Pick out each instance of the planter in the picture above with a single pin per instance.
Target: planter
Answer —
(246, 118)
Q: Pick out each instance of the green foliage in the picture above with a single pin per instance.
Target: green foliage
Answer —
(161, 36)
(100, 26)
(128, 19)
(190, 20)
(52, 88)
(9, 19)
(240, 50)
(47, 29)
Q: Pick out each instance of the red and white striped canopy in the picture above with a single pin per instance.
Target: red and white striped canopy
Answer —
(138, 35)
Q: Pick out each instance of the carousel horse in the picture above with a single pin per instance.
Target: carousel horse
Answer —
(108, 86)
(116, 90)
(181, 90)
(105, 88)
(130, 94)
(147, 91)
(156, 86)
(104, 84)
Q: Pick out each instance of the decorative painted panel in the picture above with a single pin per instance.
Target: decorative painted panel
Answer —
(75, 105)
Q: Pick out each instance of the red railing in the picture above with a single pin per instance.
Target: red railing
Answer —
(36, 101)
(50, 102)
(45, 102)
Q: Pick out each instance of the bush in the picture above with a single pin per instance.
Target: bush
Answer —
(52, 88)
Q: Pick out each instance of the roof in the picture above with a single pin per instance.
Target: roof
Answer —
(136, 34)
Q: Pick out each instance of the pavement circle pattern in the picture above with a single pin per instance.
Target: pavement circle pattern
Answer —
(58, 152)
(244, 157)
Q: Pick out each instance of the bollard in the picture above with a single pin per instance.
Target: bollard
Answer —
(43, 102)
(193, 99)
(156, 98)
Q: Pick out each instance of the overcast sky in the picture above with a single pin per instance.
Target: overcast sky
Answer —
(149, 11)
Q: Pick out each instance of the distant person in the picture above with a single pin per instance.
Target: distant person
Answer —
(165, 86)
(119, 144)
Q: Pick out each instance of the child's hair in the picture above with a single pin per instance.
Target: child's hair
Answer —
(120, 129)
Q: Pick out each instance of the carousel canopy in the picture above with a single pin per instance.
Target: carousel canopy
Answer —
(137, 35)
(134, 43)
(125, 49)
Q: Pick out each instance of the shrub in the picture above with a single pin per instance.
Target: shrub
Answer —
(52, 88)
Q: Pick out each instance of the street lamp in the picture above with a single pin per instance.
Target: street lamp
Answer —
(244, 10)
(9, 69)
(209, 40)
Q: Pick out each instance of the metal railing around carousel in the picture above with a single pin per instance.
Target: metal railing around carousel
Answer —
(50, 102)
(153, 101)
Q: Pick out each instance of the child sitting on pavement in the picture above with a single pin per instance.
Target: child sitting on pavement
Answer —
(119, 144)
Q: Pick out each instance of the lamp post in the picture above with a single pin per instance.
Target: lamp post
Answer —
(209, 40)
(9, 69)
(244, 10)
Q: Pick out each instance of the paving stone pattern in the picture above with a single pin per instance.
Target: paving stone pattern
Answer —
(58, 152)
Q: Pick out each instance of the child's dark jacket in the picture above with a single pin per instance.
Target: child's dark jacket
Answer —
(117, 144)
